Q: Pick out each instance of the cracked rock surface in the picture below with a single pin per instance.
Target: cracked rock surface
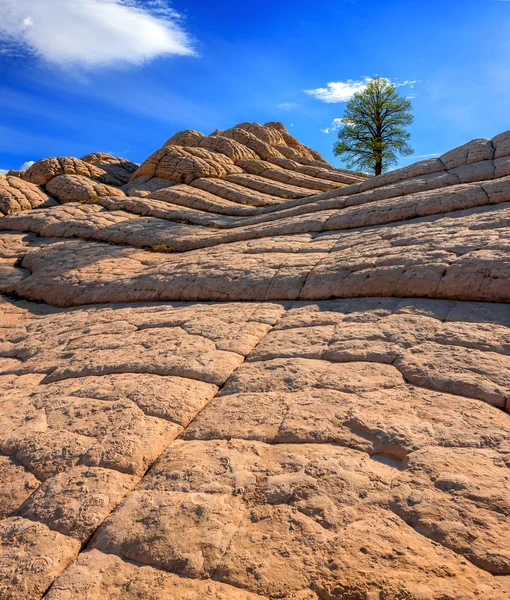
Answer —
(235, 372)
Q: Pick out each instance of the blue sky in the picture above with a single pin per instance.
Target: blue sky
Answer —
(121, 76)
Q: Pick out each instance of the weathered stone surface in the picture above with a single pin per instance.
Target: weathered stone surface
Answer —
(268, 171)
(463, 256)
(501, 144)
(175, 399)
(17, 195)
(150, 525)
(95, 576)
(290, 493)
(283, 189)
(341, 414)
(31, 556)
(181, 138)
(143, 186)
(202, 343)
(468, 506)
(234, 150)
(321, 413)
(46, 169)
(262, 148)
(335, 566)
(119, 169)
(77, 501)
(16, 484)
(77, 188)
(183, 165)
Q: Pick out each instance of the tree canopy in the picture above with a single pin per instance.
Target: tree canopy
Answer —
(374, 128)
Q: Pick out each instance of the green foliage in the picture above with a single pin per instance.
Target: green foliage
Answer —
(373, 132)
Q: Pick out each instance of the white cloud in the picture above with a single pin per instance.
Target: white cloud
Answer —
(343, 91)
(335, 126)
(93, 33)
(339, 91)
(433, 155)
(23, 167)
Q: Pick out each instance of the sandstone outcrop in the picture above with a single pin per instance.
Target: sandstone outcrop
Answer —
(119, 169)
(77, 188)
(237, 372)
(17, 195)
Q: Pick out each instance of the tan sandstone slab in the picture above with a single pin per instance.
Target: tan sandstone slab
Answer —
(75, 502)
(95, 576)
(31, 557)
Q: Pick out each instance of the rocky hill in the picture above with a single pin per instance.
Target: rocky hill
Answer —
(237, 372)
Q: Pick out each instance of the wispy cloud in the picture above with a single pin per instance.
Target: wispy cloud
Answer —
(92, 33)
(433, 155)
(288, 105)
(343, 91)
(411, 84)
(4, 171)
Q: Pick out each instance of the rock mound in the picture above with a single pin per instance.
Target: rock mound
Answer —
(237, 372)
(17, 195)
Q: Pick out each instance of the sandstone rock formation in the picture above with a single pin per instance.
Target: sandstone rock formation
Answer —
(16, 195)
(236, 372)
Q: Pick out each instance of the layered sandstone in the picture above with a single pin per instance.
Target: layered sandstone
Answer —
(236, 372)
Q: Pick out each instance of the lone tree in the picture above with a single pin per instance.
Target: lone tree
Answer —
(373, 132)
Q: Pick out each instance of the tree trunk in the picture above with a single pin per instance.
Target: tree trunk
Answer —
(378, 148)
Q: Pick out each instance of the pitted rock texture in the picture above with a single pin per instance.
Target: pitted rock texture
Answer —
(236, 372)
(43, 171)
(17, 195)
(77, 188)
